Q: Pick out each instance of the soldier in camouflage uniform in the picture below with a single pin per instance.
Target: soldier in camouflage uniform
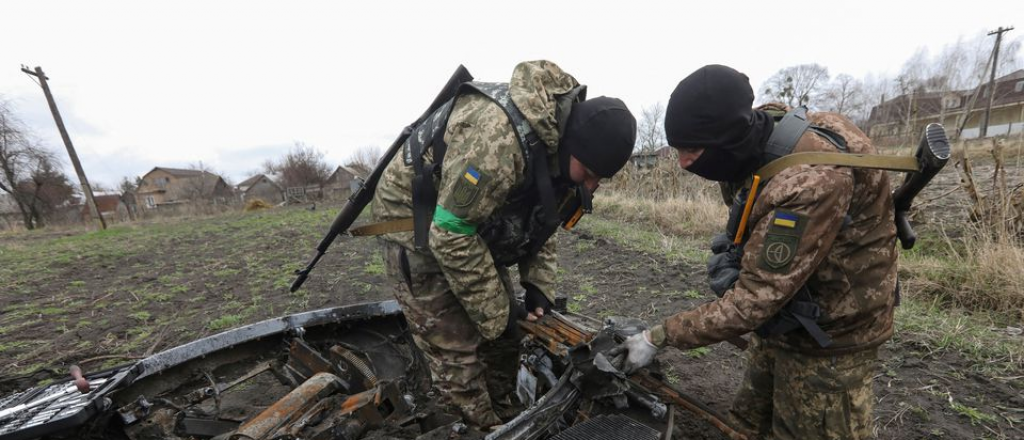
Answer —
(457, 300)
(827, 228)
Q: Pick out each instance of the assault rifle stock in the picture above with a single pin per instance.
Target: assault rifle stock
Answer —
(932, 154)
(362, 197)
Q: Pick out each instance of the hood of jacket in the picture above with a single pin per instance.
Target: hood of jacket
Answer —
(534, 88)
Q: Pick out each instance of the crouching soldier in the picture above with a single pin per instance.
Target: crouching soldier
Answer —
(486, 181)
(813, 273)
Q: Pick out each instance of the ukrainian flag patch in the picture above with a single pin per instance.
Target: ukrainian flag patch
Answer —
(785, 220)
(472, 175)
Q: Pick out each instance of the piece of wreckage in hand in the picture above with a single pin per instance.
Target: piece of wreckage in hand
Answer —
(349, 373)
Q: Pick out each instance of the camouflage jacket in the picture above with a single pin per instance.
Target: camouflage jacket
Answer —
(482, 168)
(828, 227)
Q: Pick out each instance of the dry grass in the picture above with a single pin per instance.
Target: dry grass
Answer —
(982, 271)
(674, 201)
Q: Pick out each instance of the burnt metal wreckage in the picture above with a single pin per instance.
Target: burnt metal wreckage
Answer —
(350, 372)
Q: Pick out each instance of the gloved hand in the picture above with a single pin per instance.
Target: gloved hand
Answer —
(724, 265)
(723, 271)
(537, 305)
(516, 313)
(634, 353)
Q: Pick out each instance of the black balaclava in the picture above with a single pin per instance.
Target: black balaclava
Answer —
(600, 133)
(710, 109)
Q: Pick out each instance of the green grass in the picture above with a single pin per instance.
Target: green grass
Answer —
(225, 321)
(648, 241)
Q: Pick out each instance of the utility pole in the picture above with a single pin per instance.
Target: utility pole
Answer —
(86, 188)
(992, 79)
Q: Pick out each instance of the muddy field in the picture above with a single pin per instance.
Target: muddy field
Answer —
(102, 299)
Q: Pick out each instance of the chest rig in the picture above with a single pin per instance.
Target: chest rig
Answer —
(530, 214)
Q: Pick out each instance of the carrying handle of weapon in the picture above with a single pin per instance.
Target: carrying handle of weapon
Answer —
(362, 197)
(932, 154)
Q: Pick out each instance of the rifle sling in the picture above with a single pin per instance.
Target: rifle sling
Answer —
(875, 161)
(388, 227)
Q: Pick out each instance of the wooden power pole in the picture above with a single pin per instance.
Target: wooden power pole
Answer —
(992, 79)
(86, 188)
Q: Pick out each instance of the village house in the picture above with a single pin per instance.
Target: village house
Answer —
(343, 182)
(172, 186)
(650, 159)
(263, 187)
(110, 206)
(904, 117)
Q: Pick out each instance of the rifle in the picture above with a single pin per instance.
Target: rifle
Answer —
(358, 200)
(932, 154)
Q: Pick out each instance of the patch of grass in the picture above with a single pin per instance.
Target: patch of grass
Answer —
(375, 266)
(975, 415)
(648, 241)
(692, 294)
(938, 329)
(588, 288)
(697, 353)
(76, 284)
(142, 316)
(224, 321)
(4, 346)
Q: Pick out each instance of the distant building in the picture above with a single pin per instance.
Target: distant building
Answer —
(649, 160)
(263, 187)
(343, 181)
(110, 207)
(904, 117)
(170, 186)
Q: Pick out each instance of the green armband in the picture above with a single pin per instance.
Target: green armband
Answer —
(444, 219)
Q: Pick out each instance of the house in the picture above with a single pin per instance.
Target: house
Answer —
(263, 187)
(904, 117)
(170, 186)
(650, 159)
(343, 182)
(110, 207)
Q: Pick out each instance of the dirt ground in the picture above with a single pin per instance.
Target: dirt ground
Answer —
(70, 299)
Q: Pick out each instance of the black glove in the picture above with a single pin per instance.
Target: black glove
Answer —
(534, 298)
(724, 266)
(516, 313)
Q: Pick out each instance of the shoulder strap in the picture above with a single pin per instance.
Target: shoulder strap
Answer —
(874, 161)
(786, 134)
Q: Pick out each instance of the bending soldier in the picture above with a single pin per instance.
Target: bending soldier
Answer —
(506, 154)
(816, 277)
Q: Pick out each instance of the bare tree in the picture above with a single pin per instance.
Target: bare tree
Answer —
(303, 166)
(795, 85)
(128, 188)
(26, 170)
(651, 130)
(46, 189)
(844, 95)
(364, 159)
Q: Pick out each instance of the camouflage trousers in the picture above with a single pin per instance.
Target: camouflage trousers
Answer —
(472, 375)
(787, 395)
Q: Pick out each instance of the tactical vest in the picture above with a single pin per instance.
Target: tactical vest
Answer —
(529, 217)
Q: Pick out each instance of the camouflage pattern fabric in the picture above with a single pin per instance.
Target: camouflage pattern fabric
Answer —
(457, 298)
(828, 227)
(469, 373)
(788, 396)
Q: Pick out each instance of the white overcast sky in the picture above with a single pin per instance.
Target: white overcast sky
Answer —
(233, 83)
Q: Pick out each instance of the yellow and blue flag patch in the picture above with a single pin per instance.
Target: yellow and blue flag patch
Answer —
(785, 220)
(472, 175)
